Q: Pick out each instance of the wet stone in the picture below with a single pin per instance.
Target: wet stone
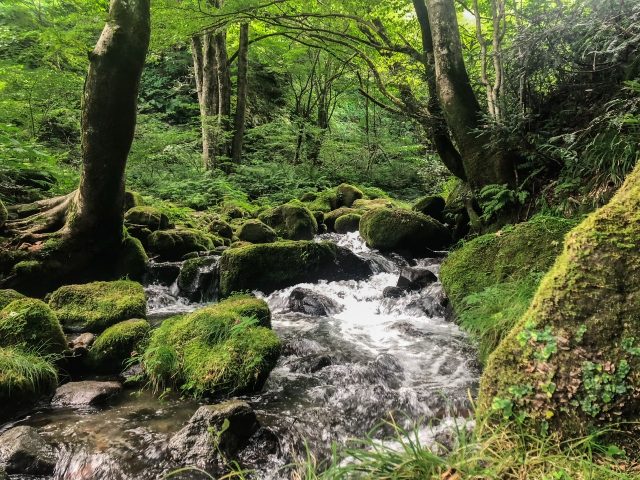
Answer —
(307, 301)
(24, 451)
(86, 393)
(393, 292)
(310, 364)
(416, 278)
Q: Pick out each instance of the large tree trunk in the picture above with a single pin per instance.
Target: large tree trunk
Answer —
(243, 88)
(79, 237)
(484, 162)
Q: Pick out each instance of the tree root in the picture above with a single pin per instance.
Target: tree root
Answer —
(50, 217)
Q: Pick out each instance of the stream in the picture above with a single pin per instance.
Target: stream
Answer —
(339, 376)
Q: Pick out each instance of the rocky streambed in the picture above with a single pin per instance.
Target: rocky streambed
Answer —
(355, 351)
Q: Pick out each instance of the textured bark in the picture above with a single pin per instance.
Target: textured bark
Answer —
(484, 162)
(243, 87)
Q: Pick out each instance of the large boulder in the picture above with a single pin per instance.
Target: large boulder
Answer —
(24, 379)
(292, 221)
(403, 230)
(24, 452)
(7, 296)
(416, 278)
(221, 228)
(174, 244)
(93, 307)
(214, 433)
(30, 324)
(331, 217)
(88, 393)
(114, 346)
(256, 231)
(570, 365)
(347, 194)
(148, 217)
(226, 348)
(347, 223)
(271, 266)
(432, 206)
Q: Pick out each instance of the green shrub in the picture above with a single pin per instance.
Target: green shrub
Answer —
(24, 378)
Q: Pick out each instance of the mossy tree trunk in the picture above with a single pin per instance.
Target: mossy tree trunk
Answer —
(84, 229)
(243, 89)
(573, 361)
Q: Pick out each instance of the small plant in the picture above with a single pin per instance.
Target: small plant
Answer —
(494, 199)
(602, 382)
(544, 341)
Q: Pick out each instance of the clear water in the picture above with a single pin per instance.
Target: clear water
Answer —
(380, 357)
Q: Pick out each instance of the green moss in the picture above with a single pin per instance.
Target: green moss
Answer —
(148, 217)
(399, 229)
(347, 223)
(221, 228)
(24, 378)
(133, 259)
(374, 193)
(93, 307)
(30, 324)
(325, 201)
(8, 296)
(509, 255)
(4, 215)
(292, 221)
(132, 199)
(347, 194)
(221, 349)
(175, 244)
(115, 345)
(365, 204)
(273, 265)
(28, 269)
(256, 231)
(331, 217)
(588, 306)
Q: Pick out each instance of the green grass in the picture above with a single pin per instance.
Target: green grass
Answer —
(24, 376)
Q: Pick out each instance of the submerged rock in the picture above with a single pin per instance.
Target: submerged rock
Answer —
(393, 292)
(85, 394)
(416, 278)
(214, 430)
(307, 301)
(24, 452)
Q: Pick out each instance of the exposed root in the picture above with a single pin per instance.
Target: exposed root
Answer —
(50, 216)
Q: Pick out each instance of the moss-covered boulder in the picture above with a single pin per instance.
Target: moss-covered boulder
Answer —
(221, 228)
(7, 296)
(176, 243)
(292, 221)
(227, 348)
(132, 199)
(256, 231)
(347, 194)
(30, 324)
(271, 266)
(24, 378)
(367, 204)
(331, 217)
(324, 201)
(148, 217)
(572, 363)
(432, 205)
(4, 215)
(347, 223)
(114, 346)
(93, 307)
(403, 230)
(132, 261)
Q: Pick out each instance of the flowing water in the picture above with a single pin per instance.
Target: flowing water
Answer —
(338, 378)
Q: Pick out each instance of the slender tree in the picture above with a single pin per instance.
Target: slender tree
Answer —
(243, 89)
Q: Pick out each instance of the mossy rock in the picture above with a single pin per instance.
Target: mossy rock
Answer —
(403, 230)
(223, 349)
(292, 221)
(24, 379)
(347, 194)
(510, 254)
(571, 364)
(4, 215)
(256, 231)
(432, 205)
(366, 204)
(94, 307)
(147, 217)
(7, 296)
(114, 346)
(270, 266)
(221, 228)
(331, 217)
(30, 324)
(324, 201)
(132, 199)
(348, 223)
(176, 243)
(308, 197)
(133, 259)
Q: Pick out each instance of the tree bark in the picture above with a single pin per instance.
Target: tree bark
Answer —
(243, 88)
(484, 162)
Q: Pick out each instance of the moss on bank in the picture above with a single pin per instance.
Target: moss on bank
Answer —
(93, 307)
(115, 345)
(227, 348)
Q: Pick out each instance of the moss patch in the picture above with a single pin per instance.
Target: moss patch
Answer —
(8, 296)
(149, 217)
(93, 307)
(256, 231)
(292, 221)
(115, 345)
(270, 266)
(347, 194)
(220, 228)
(227, 348)
(399, 229)
(347, 223)
(175, 244)
(30, 324)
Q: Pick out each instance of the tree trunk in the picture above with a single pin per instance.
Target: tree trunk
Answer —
(243, 87)
(484, 162)
(79, 237)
